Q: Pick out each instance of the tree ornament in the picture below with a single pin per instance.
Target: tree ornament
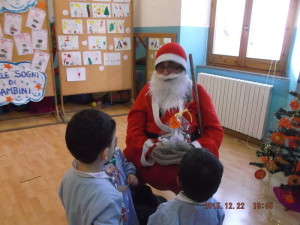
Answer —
(296, 122)
(271, 165)
(285, 123)
(265, 159)
(294, 143)
(294, 179)
(278, 138)
(289, 198)
(260, 174)
(295, 104)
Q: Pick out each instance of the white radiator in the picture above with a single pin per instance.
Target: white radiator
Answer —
(241, 105)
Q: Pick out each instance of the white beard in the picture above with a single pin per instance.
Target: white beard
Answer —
(170, 92)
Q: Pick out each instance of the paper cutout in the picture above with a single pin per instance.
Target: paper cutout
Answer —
(80, 9)
(16, 6)
(101, 68)
(40, 61)
(125, 57)
(167, 40)
(6, 49)
(121, 0)
(39, 39)
(122, 43)
(96, 26)
(111, 47)
(97, 42)
(84, 42)
(120, 10)
(65, 12)
(19, 84)
(101, 10)
(71, 58)
(1, 33)
(91, 57)
(101, 0)
(72, 27)
(115, 26)
(112, 59)
(76, 74)
(153, 43)
(67, 42)
(12, 24)
(23, 44)
(35, 18)
(127, 30)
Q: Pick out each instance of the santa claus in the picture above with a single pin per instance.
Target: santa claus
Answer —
(169, 92)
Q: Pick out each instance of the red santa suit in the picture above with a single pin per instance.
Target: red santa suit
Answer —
(144, 120)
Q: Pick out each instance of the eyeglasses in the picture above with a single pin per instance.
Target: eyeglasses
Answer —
(170, 67)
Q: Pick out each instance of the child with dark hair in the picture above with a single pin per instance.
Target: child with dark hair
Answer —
(200, 174)
(87, 191)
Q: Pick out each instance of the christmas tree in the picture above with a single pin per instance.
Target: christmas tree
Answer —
(280, 152)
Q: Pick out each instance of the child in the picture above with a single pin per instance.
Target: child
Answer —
(86, 191)
(200, 174)
(122, 175)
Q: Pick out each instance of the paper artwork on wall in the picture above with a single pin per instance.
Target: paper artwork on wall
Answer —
(76, 74)
(72, 26)
(153, 43)
(71, 58)
(66, 42)
(121, 0)
(39, 39)
(96, 26)
(97, 42)
(40, 61)
(101, 10)
(115, 26)
(112, 59)
(91, 57)
(80, 9)
(167, 40)
(16, 6)
(23, 44)
(6, 49)
(1, 33)
(120, 10)
(12, 24)
(35, 18)
(20, 84)
(122, 43)
(101, 0)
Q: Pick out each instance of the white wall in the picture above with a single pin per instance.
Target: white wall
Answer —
(195, 13)
(156, 13)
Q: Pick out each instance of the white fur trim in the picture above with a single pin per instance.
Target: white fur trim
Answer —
(155, 110)
(196, 144)
(172, 57)
(147, 145)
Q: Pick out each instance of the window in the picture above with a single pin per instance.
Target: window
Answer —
(251, 35)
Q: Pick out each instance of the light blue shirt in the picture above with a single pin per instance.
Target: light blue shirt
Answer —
(184, 211)
(90, 198)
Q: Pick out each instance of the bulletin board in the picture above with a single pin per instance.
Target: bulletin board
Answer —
(95, 45)
(25, 20)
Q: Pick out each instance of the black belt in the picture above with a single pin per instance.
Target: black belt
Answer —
(194, 136)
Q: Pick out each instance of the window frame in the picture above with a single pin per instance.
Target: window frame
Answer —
(249, 64)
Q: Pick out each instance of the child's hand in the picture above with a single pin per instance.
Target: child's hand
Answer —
(132, 180)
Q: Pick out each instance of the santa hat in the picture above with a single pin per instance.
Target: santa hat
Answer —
(171, 52)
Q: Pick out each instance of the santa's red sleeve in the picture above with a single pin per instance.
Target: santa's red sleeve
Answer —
(212, 130)
(138, 145)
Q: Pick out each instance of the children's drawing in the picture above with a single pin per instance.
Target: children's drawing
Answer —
(80, 9)
(23, 44)
(12, 23)
(96, 26)
(39, 39)
(6, 49)
(101, 10)
(112, 59)
(35, 18)
(121, 0)
(40, 61)
(71, 58)
(91, 57)
(115, 26)
(19, 84)
(153, 43)
(67, 42)
(167, 40)
(16, 6)
(101, 0)
(1, 33)
(97, 42)
(120, 10)
(72, 26)
(76, 74)
(122, 43)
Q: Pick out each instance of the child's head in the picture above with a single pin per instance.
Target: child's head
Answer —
(200, 174)
(89, 133)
